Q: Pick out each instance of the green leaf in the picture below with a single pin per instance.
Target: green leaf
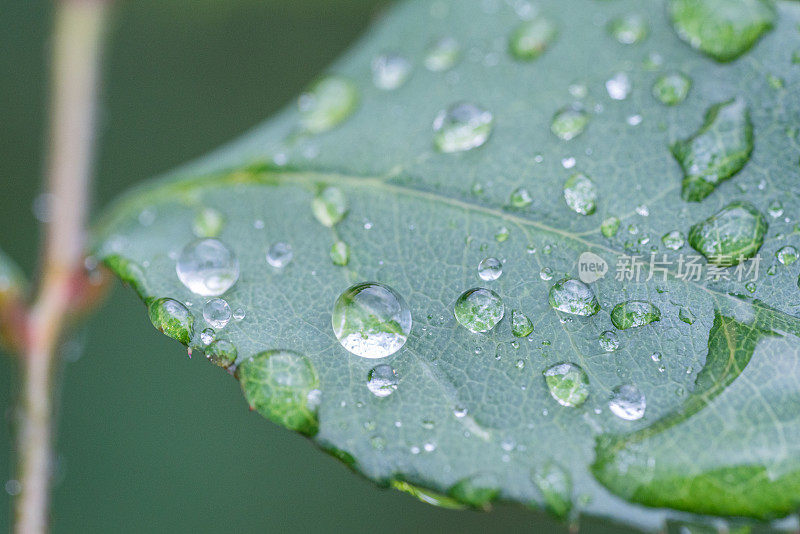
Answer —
(409, 187)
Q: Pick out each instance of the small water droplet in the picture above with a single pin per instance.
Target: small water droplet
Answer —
(329, 206)
(217, 313)
(775, 209)
(555, 485)
(340, 253)
(750, 286)
(568, 384)
(207, 336)
(207, 267)
(502, 235)
(279, 255)
(327, 104)
(172, 318)
(634, 313)
(371, 320)
(619, 86)
(531, 38)
(521, 326)
(477, 490)
(572, 296)
(390, 71)
(673, 240)
(656, 356)
(686, 315)
(442, 55)
(238, 314)
(490, 269)
(221, 352)
(610, 226)
(546, 273)
(609, 341)
(786, 255)
(580, 194)
(627, 402)
(628, 29)
(672, 89)
(382, 380)
(569, 122)
(520, 198)
(462, 127)
(478, 310)
(208, 222)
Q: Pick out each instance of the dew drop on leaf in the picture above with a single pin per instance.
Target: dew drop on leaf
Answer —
(340, 253)
(207, 267)
(172, 318)
(546, 273)
(580, 194)
(208, 222)
(478, 310)
(555, 485)
(634, 313)
(222, 353)
(217, 313)
(490, 269)
(673, 240)
(462, 127)
(671, 89)
(390, 71)
(627, 402)
(569, 122)
(329, 206)
(628, 29)
(686, 315)
(478, 490)
(442, 55)
(572, 296)
(733, 234)
(207, 336)
(786, 255)
(610, 226)
(502, 235)
(371, 320)
(619, 86)
(520, 198)
(568, 384)
(531, 38)
(609, 341)
(327, 103)
(521, 326)
(279, 255)
(382, 380)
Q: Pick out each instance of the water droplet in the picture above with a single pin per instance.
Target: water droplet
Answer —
(619, 86)
(442, 55)
(208, 222)
(238, 314)
(502, 235)
(722, 29)
(717, 151)
(222, 353)
(634, 313)
(478, 310)
(656, 356)
(279, 255)
(490, 269)
(627, 402)
(329, 206)
(568, 384)
(750, 286)
(555, 485)
(573, 296)
(531, 38)
(371, 320)
(546, 273)
(672, 89)
(686, 315)
(775, 209)
(609, 341)
(283, 387)
(217, 313)
(610, 226)
(521, 326)
(477, 490)
(172, 318)
(673, 240)
(207, 267)
(340, 253)
(634, 120)
(731, 235)
(580, 194)
(569, 122)
(382, 380)
(390, 71)
(786, 255)
(462, 127)
(628, 29)
(327, 104)
(207, 336)
(520, 198)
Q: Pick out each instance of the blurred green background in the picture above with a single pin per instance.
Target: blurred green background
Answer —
(150, 441)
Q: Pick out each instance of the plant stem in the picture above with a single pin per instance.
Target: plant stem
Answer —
(75, 64)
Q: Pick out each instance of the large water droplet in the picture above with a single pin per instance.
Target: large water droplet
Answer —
(717, 151)
(327, 103)
(627, 402)
(531, 38)
(463, 126)
(478, 310)
(568, 384)
(371, 320)
(573, 296)
(490, 269)
(634, 313)
(672, 89)
(207, 267)
(382, 380)
(172, 318)
(390, 71)
(521, 326)
(731, 235)
(628, 29)
(329, 206)
(580, 194)
(569, 122)
(279, 255)
(722, 29)
(282, 386)
(442, 55)
(217, 313)
(555, 485)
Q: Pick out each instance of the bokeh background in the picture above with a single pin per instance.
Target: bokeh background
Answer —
(149, 440)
